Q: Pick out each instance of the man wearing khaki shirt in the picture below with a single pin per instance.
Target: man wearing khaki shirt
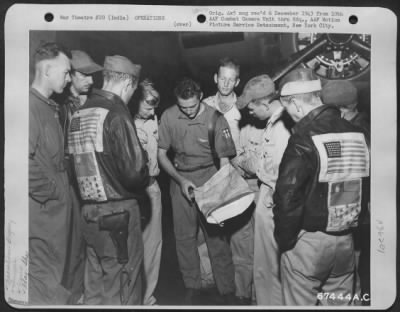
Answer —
(261, 99)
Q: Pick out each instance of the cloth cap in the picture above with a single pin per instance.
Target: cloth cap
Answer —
(341, 93)
(121, 64)
(299, 81)
(83, 63)
(255, 88)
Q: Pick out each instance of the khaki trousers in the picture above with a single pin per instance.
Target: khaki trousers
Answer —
(267, 282)
(319, 263)
(242, 246)
(152, 241)
(186, 220)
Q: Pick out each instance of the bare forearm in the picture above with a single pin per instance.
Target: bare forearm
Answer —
(168, 167)
(223, 161)
(185, 184)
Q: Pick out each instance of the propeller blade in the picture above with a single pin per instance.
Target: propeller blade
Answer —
(361, 47)
(308, 52)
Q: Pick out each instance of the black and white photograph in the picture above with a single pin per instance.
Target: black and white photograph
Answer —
(204, 167)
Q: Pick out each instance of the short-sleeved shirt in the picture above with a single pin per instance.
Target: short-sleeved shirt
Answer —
(188, 138)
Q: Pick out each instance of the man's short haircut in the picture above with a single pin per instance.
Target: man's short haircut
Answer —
(147, 89)
(187, 88)
(230, 63)
(48, 51)
(117, 77)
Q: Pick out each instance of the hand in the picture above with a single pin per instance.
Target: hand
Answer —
(269, 198)
(270, 203)
(187, 188)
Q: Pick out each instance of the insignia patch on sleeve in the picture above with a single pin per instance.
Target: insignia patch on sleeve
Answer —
(227, 133)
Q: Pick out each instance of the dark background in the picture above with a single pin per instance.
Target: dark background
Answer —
(166, 57)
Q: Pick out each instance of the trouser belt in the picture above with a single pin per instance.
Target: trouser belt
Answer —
(340, 233)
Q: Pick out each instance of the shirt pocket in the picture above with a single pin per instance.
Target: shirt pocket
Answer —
(203, 143)
(253, 146)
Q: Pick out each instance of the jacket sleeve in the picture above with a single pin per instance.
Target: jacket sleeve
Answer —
(41, 186)
(289, 196)
(130, 158)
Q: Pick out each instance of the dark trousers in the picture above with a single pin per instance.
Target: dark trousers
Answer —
(75, 262)
(187, 218)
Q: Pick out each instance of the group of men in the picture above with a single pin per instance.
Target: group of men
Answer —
(93, 170)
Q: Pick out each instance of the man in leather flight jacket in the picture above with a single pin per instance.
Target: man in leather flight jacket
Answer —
(344, 95)
(318, 196)
(111, 170)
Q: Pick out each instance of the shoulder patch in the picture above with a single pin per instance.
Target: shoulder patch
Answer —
(226, 133)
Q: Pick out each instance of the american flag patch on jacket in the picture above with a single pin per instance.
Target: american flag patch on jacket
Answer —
(85, 137)
(343, 156)
(86, 130)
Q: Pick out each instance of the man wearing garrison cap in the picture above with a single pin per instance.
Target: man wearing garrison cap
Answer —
(263, 160)
(111, 169)
(82, 70)
(318, 196)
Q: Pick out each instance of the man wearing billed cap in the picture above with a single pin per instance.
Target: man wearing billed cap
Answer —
(82, 69)
(318, 196)
(343, 94)
(111, 170)
(262, 101)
